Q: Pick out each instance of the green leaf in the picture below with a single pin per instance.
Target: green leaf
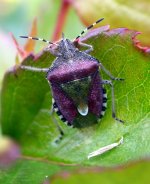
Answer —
(132, 173)
(28, 171)
(26, 103)
(44, 172)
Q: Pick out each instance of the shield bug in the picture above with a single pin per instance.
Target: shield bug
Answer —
(79, 98)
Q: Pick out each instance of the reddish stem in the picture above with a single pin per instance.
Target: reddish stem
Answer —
(20, 50)
(61, 20)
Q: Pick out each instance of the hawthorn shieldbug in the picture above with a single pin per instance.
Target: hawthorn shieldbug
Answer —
(79, 98)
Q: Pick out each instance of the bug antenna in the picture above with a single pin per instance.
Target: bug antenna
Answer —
(35, 38)
(89, 27)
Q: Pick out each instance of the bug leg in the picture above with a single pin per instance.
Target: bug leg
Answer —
(57, 126)
(34, 69)
(113, 100)
(90, 47)
(108, 73)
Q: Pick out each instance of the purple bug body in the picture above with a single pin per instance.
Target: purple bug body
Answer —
(75, 66)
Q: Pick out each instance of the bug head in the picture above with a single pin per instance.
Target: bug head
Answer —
(66, 47)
